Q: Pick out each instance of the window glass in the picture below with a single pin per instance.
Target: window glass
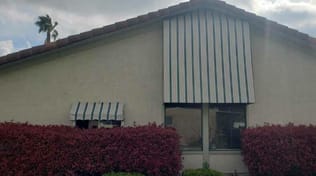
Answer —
(88, 124)
(110, 123)
(225, 125)
(187, 120)
(83, 124)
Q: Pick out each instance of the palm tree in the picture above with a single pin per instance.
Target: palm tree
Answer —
(45, 25)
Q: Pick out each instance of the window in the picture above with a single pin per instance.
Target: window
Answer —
(187, 120)
(225, 125)
(88, 124)
(83, 124)
(110, 123)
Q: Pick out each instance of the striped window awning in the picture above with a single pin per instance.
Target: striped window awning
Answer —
(96, 111)
(207, 59)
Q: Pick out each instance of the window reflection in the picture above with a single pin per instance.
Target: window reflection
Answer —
(187, 120)
(225, 125)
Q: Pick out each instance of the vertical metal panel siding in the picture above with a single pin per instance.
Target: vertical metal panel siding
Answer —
(207, 59)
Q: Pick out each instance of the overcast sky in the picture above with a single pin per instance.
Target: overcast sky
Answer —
(17, 17)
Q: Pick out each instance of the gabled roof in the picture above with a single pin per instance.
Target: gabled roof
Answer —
(216, 5)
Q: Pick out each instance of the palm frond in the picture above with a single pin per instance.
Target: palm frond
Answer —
(45, 25)
(55, 34)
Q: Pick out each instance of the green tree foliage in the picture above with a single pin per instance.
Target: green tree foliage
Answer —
(46, 25)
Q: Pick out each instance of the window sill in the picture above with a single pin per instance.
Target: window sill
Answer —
(187, 148)
(213, 152)
(192, 152)
(225, 151)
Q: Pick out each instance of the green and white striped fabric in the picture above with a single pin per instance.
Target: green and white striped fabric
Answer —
(207, 59)
(96, 111)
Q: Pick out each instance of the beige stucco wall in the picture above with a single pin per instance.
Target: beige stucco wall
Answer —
(224, 161)
(284, 81)
(191, 160)
(227, 161)
(125, 67)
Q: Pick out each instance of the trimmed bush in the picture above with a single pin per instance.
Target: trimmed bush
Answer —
(280, 150)
(201, 172)
(62, 150)
(122, 174)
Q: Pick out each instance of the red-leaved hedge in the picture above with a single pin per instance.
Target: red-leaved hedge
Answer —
(280, 150)
(60, 150)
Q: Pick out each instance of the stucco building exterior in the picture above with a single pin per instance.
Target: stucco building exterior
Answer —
(204, 67)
